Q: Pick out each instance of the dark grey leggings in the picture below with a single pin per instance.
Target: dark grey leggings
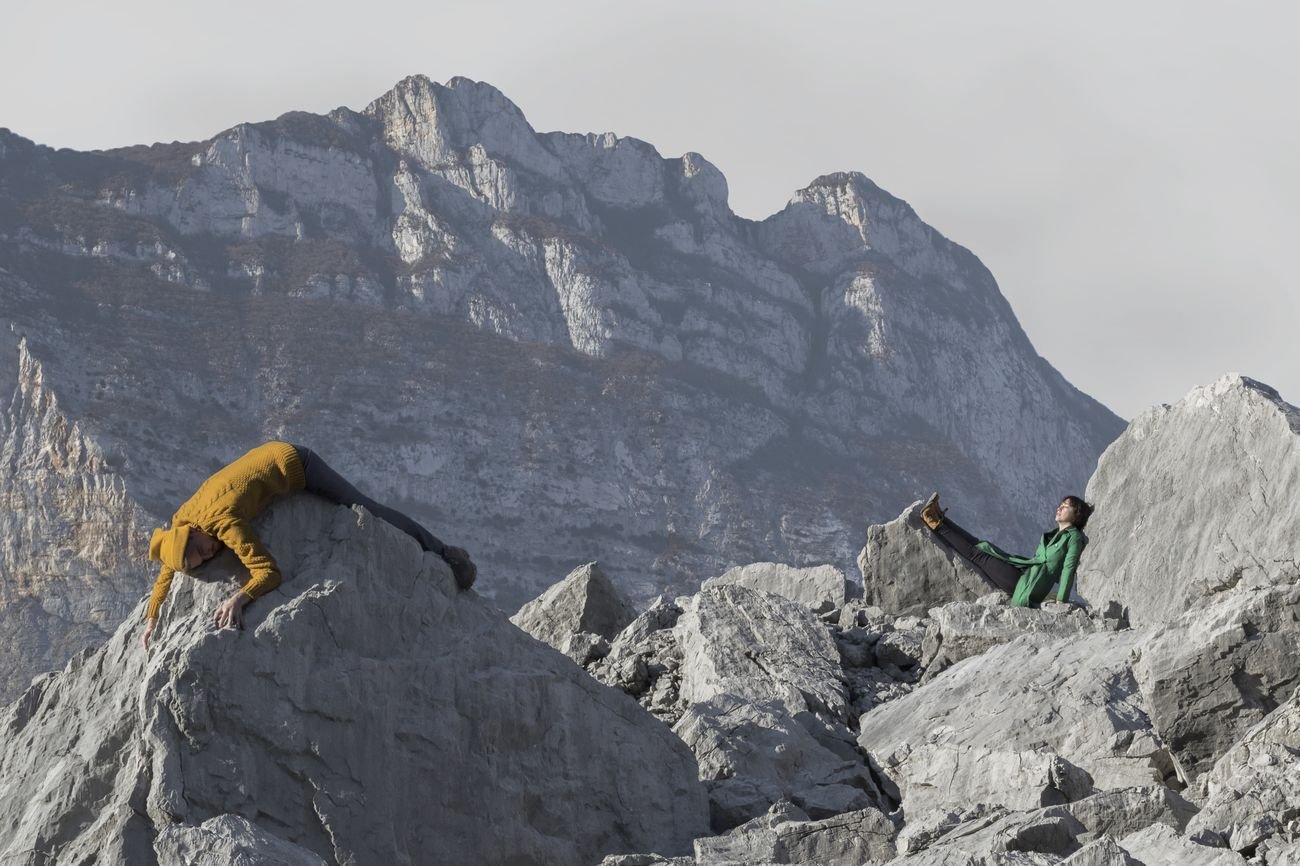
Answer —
(328, 484)
(999, 574)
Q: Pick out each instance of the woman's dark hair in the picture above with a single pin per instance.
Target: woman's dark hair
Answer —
(1082, 511)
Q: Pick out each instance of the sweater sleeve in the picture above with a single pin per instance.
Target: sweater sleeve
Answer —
(1073, 551)
(161, 587)
(263, 571)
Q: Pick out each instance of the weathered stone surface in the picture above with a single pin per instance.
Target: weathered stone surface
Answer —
(906, 570)
(784, 835)
(984, 834)
(824, 588)
(1253, 791)
(227, 840)
(1026, 724)
(1104, 851)
(1159, 845)
(1156, 547)
(960, 630)
(645, 661)
(584, 602)
(766, 708)
(69, 565)
(368, 713)
(1217, 670)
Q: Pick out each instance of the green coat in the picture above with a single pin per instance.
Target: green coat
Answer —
(1055, 561)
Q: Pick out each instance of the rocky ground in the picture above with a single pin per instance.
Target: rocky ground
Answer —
(370, 713)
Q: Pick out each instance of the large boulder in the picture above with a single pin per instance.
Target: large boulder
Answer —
(786, 836)
(906, 570)
(766, 708)
(1253, 792)
(1195, 497)
(584, 603)
(1159, 845)
(1030, 723)
(367, 713)
(1046, 835)
(963, 629)
(1217, 670)
(824, 588)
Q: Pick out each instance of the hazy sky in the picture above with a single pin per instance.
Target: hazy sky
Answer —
(1129, 171)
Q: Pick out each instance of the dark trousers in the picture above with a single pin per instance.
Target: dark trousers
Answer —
(1001, 575)
(328, 484)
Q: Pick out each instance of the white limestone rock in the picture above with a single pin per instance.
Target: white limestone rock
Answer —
(785, 835)
(583, 603)
(1253, 790)
(1159, 845)
(906, 570)
(1155, 547)
(69, 562)
(1211, 674)
(986, 834)
(1026, 724)
(368, 712)
(225, 840)
(824, 588)
(1103, 851)
(960, 630)
(766, 709)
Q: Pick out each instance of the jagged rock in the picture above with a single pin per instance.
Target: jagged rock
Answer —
(1155, 547)
(1104, 851)
(990, 834)
(1215, 671)
(766, 708)
(367, 713)
(785, 835)
(901, 650)
(69, 567)
(963, 629)
(1253, 791)
(584, 603)
(906, 570)
(645, 661)
(226, 840)
(823, 588)
(1026, 724)
(1159, 845)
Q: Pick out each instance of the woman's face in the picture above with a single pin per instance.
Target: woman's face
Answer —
(1065, 513)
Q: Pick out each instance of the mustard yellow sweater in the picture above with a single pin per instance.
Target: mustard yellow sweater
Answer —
(225, 503)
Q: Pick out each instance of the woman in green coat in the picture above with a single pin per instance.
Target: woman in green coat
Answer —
(1026, 579)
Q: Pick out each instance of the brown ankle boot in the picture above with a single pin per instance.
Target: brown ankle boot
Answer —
(931, 513)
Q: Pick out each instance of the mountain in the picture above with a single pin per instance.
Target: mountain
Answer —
(550, 348)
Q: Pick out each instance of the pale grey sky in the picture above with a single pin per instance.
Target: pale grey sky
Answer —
(1127, 170)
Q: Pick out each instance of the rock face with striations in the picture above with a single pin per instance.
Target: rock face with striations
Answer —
(367, 713)
(575, 613)
(1195, 498)
(550, 348)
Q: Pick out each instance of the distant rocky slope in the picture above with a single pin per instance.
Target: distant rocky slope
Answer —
(368, 713)
(552, 348)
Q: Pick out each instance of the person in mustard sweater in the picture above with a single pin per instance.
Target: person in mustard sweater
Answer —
(218, 515)
(1027, 579)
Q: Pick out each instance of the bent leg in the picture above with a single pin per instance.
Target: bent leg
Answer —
(328, 484)
(1001, 575)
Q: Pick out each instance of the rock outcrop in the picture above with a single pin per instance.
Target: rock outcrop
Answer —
(578, 615)
(823, 588)
(367, 713)
(69, 566)
(1195, 498)
(906, 570)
